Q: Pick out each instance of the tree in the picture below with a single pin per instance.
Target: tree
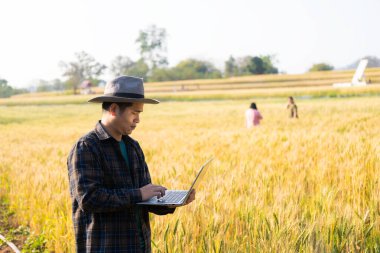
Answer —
(373, 62)
(43, 85)
(53, 85)
(85, 68)
(256, 66)
(139, 69)
(152, 45)
(230, 67)
(162, 74)
(5, 89)
(195, 69)
(120, 65)
(320, 67)
(123, 65)
(268, 61)
(251, 66)
(57, 84)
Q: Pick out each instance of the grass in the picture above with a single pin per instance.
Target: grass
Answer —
(306, 185)
(20, 236)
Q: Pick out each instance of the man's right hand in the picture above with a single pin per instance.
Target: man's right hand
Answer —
(150, 190)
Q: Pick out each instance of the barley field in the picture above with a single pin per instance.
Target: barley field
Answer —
(306, 185)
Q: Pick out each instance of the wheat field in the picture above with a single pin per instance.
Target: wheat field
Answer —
(306, 185)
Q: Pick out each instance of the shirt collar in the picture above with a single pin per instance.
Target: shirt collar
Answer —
(101, 132)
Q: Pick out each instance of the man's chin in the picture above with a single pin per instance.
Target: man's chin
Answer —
(127, 132)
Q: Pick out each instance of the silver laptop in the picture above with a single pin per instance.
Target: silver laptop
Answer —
(174, 198)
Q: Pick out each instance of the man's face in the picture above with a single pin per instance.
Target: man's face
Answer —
(126, 121)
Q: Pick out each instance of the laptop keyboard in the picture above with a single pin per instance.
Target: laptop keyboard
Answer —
(173, 197)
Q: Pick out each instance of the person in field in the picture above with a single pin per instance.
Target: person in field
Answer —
(292, 107)
(252, 116)
(108, 175)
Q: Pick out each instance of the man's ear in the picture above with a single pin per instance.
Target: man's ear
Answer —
(114, 108)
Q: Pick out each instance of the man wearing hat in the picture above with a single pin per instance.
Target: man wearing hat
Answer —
(108, 176)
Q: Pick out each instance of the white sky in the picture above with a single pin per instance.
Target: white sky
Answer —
(36, 35)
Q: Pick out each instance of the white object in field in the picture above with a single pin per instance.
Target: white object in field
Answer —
(358, 79)
(10, 244)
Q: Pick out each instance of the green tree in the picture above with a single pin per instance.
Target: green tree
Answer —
(84, 68)
(123, 65)
(139, 69)
(195, 69)
(152, 46)
(321, 67)
(256, 66)
(5, 89)
(162, 74)
(230, 67)
(268, 61)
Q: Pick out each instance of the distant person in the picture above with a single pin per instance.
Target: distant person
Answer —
(292, 107)
(108, 175)
(252, 116)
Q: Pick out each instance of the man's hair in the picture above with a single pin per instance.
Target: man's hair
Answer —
(122, 106)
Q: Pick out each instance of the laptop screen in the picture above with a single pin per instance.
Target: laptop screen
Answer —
(200, 175)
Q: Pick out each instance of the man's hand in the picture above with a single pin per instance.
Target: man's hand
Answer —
(150, 190)
(191, 197)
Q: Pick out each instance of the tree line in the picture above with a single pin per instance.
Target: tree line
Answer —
(7, 90)
(153, 66)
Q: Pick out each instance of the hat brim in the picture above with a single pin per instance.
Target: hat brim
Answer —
(114, 99)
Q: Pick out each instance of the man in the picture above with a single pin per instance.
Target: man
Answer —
(108, 176)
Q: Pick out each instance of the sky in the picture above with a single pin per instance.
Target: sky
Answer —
(36, 35)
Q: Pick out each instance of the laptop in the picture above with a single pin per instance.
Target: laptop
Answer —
(175, 198)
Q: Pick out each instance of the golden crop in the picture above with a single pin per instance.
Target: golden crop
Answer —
(307, 185)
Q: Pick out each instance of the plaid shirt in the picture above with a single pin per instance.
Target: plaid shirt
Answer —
(104, 190)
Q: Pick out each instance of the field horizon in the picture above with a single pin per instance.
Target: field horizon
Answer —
(308, 85)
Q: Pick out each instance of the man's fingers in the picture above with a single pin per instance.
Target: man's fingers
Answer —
(155, 188)
(159, 191)
(152, 190)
